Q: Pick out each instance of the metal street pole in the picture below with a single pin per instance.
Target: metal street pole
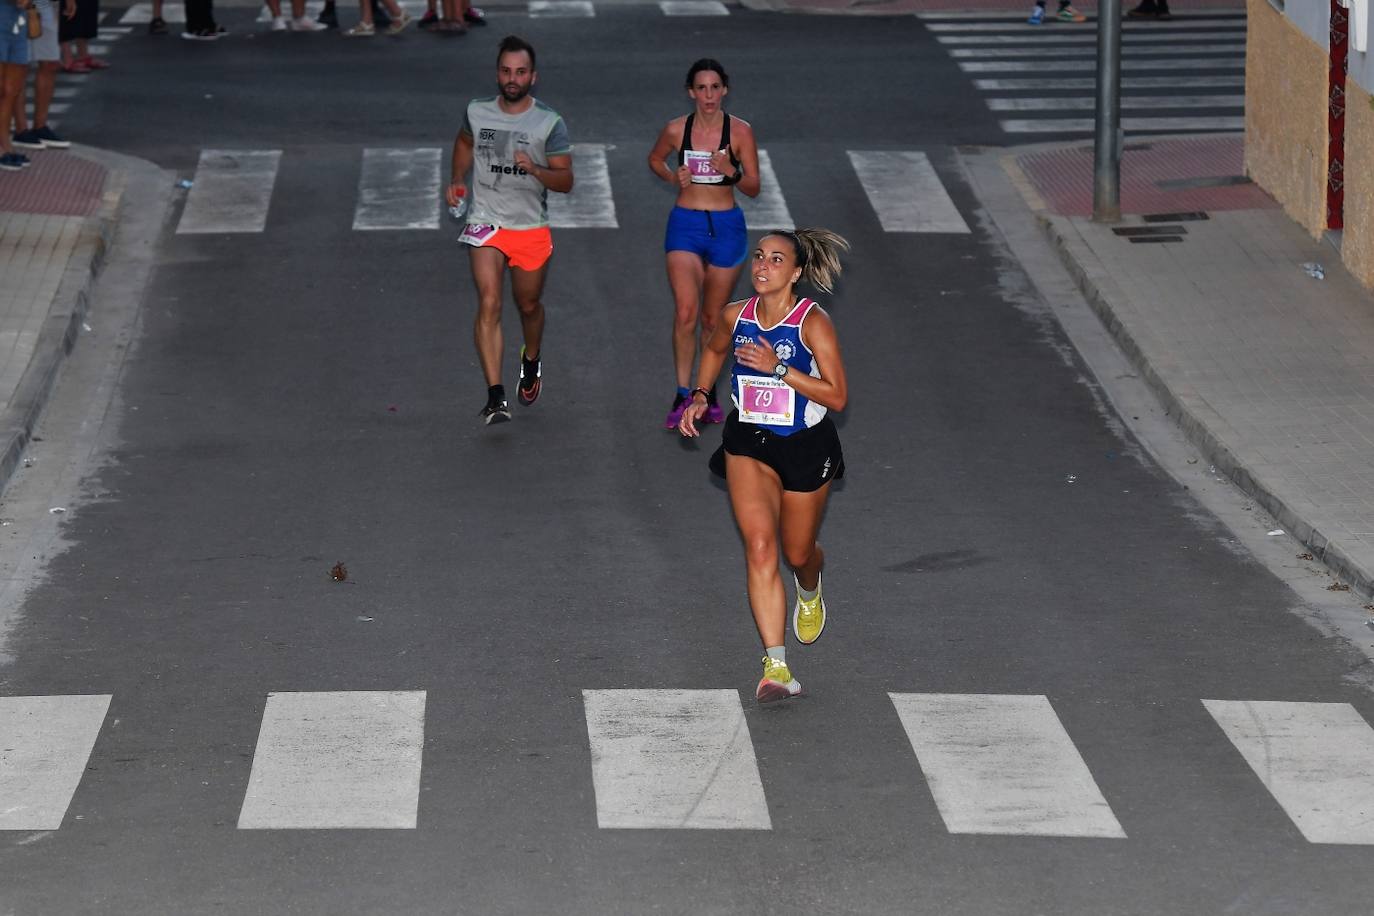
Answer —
(1107, 128)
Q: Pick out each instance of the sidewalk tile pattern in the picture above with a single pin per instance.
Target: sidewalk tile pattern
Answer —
(57, 183)
(1064, 176)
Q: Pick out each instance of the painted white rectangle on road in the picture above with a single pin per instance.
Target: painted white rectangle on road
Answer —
(673, 759)
(398, 189)
(1167, 25)
(348, 759)
(1316, 759)
(1130, 125)
(1088, 103)
(590, 205)
(1034, 37)
(45, 743)
(1088, 82)
(693, 8)
(1050, 52)
(769, 209)
(142, 13)
(561, 9)
(230, 191)
(1003, 765)
(1163, 63)
(905, 192)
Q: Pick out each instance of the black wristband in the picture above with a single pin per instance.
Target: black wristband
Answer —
(735, 178)
(704, 393)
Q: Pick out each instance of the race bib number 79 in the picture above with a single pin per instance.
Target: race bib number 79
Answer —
(766, 400)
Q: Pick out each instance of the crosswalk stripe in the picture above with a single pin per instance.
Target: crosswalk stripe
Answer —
(1086, 125)
(231, 191)
(937, 15)
(312, 9)
(398, 189)
(1087, 82)
(1081, 38)
(142, 14)
(1175, 25)
(1003, 765)
(561, 9)
(1053, 52)
(693, 8)
(45, 743)
(590, 205)
(673, 759)
(1016, 66)
(905, 192)
(1088, 103)
(336, 760)
(769, 209)
(1316, 759)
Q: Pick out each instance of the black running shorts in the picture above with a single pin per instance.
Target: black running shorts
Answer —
(805, 461)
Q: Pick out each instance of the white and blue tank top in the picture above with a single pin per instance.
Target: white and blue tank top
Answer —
(762, 399)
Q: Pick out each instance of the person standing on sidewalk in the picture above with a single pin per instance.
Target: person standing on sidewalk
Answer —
(1150, 9)
(518, 151)
(79, 30)
(200, 21)
(779, 451)
(1066, 13)
(705, 243)
(365, 29)
(299, 22)
(14, 68)
(45, 57)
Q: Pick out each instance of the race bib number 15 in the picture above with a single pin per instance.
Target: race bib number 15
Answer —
(765, 400)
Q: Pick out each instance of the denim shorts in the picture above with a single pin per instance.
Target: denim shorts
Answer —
(14, 46)
(717, 235)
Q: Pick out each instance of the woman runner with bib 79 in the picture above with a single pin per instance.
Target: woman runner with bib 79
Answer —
(779, 451)
(705, 242)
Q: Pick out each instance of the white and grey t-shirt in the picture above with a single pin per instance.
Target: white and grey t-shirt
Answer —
(502, 194)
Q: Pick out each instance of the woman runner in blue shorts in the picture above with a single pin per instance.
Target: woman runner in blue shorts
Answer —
(779, 451)
(705, 240)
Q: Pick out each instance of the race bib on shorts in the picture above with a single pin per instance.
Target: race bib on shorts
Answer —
(699, 165)
(766, 400)
(477, 234)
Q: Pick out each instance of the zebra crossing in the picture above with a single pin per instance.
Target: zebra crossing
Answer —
(69, 85)
(175, 13)
(1179, 65)
(673, 759)
(231, 191)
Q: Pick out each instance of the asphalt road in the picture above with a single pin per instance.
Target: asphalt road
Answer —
(308, 395)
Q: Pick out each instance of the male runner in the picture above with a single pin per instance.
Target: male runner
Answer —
(518, 150)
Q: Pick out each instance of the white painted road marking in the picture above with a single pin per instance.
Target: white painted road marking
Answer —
(1085, 125)
(673, 759)
(693, 8)
(142, 14)
(1088, 103)
(1316, 759)
(1052, 52)
(905, 192)
(231, 191)
(590, 205)
(398, 189)
(1133, 82)
(337, 760)
(769, 209)
(561, 9)
(1021, 66)
(1003, 765)
(1170, 25)
(45, 743)
(1033, 37)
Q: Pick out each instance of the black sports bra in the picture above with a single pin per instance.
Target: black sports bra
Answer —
(686, 143)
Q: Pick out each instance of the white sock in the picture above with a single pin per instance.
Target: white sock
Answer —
(778, 654)
(803, 594)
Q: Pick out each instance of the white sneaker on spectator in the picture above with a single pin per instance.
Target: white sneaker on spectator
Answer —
(279, 23)
(306, 24)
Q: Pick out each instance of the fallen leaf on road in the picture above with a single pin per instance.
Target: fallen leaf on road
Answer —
(339, 572)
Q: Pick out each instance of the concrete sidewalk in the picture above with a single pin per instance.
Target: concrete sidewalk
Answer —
(1268, 370)
(58, 220)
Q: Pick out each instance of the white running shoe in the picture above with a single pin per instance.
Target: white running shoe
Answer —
(306, 24)
(279, 23)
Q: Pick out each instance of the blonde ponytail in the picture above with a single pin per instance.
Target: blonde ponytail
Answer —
(818, 255)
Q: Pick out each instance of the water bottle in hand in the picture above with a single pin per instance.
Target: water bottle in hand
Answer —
(460, 209)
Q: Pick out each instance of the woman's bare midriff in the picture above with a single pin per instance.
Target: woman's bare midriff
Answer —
(706, 197)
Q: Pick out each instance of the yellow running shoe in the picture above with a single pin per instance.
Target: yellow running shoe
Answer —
(808, 617)
(777, 682)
